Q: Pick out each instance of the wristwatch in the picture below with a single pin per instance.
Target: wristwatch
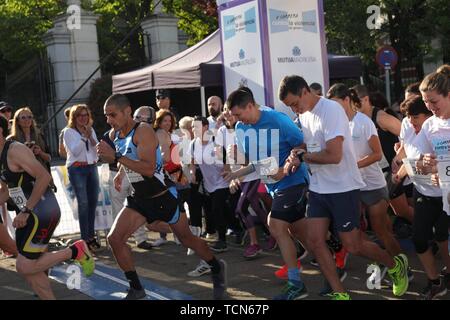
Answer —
(117, 156)
(300, 155)
(25, 209)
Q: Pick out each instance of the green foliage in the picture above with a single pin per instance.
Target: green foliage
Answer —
(197, 18)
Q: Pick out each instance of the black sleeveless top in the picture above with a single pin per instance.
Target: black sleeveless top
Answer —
(387, 139)
(15, 179)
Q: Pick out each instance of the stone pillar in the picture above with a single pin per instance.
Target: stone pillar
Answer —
(161, 39)
(73, 54)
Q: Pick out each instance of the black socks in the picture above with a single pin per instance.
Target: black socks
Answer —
(133, 279)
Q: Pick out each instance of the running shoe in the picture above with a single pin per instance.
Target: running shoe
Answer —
(339, 296)
(292, 291)
(84, 257)
(201, 269)
(134, 294)
(159, 242)
(219, 246)
(341, 258)
(433, 291)
(282, 273)
(399, 275)
(252, 251)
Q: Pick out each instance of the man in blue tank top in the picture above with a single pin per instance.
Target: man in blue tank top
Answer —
(154, 198)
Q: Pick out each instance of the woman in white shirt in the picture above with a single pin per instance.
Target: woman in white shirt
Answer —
(367, 147)
(433, 143)
(80, 141)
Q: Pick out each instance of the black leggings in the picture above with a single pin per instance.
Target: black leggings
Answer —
(428, 213)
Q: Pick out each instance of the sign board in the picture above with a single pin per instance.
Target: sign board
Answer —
(240, 33)
(387, 57)
(296, 43)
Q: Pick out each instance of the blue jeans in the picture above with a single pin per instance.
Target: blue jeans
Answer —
(85, 183)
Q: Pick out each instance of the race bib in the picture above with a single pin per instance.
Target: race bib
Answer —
(443, 167)
(133, 177)
(422, 179)
(313, 147)
(18, 196)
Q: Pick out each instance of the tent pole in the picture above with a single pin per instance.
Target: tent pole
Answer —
(203, 98)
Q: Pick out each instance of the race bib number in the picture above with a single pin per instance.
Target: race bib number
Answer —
(422, 179)
(18, 196)
(313, 147)
(443, 167)
(133, 177)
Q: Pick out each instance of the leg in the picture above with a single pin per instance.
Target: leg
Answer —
(401, 208)
(78, 179)
(40, 284)
(378, 217)
(279, 230)
(92, 197)
(6, 242)
(187, 239)
(127, 222)
(317, 235)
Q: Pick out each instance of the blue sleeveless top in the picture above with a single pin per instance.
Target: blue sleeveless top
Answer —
(144, 187)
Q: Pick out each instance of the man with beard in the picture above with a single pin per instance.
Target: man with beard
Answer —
(215, 110)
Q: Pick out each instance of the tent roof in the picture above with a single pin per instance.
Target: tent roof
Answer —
(201, 65)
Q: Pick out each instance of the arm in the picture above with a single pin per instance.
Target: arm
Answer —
(21, 157)
(164, 142)
(376, 155)
(147, 143)
(73, 142)
(389, 123)
(332, 154)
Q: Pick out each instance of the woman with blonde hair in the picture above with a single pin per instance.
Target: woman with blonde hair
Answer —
(80, 141)
(25, 130)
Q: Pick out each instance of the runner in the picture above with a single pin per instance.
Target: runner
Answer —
(153, 198)
(26, 181)
(334, 184)
(432, 143)
(254, 131)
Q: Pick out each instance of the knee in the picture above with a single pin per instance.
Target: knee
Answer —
(420, 244)
(115, 240)
(353, 247)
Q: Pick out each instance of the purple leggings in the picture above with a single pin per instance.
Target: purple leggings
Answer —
(250, 197)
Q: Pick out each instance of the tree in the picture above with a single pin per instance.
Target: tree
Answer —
(197, 18)
(408, 25)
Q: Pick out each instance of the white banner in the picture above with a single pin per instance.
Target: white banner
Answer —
(296, 43)
(67, 202)
(241, 49)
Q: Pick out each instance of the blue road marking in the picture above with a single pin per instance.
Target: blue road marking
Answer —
(110, 284)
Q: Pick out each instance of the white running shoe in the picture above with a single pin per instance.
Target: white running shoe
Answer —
(159, 242)
(201, 269)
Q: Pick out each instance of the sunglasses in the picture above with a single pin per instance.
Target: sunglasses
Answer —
(5, 110)
(26, 117)
(142, 118)
(161, 97)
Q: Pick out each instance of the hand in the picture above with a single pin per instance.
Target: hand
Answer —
(88, 131)
(396, 164)
(429, 160)
(118, 181)
(279, 175)
(228, 176)
(20, 220)
(397, 146)
(36, 150)
(395, 178)
(105, 152)
(435, 179)
(235, 185)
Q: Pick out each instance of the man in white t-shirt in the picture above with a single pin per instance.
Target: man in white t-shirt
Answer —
(214, 109)
(335, 182)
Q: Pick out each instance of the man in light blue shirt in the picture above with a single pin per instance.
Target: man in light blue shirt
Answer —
(266, 138)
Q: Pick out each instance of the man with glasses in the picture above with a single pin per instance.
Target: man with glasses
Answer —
(163, 102)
